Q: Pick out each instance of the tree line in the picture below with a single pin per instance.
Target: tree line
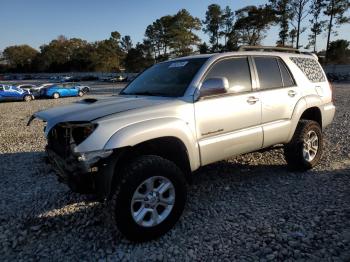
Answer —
(177, 35)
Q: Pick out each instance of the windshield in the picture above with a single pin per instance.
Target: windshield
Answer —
(165, 79)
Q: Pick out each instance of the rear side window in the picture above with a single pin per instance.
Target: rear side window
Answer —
(310, 68)
(237, 72)
(268, 72)
(286, 75)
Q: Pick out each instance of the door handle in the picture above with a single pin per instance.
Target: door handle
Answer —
(292, 93)
(252, 100)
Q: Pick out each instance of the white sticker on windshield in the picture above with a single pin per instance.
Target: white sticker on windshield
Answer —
(178, 64)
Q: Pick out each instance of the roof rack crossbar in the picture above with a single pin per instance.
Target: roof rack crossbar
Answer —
(269, 48)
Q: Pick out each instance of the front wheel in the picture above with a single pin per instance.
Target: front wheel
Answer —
(56, 95)
(305, 149)
(149, 199)
(27, 98)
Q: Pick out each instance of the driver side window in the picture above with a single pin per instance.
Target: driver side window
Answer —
(237, 72)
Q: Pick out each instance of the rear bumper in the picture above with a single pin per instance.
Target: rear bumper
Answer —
(327, 114)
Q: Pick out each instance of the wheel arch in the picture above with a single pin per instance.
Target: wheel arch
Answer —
(307, 110)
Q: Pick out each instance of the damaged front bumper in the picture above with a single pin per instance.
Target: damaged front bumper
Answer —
(88, 173)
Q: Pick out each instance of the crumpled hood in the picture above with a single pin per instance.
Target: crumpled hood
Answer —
(91, 109)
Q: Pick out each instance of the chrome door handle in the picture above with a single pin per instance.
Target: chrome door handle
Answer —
(252, 100)
(292, 93)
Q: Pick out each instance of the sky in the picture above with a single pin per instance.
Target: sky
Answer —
(37, 22)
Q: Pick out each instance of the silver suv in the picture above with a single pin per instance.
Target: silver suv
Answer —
(137, 150)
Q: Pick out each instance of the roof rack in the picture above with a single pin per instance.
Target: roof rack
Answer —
(274, 49)
(269, 48)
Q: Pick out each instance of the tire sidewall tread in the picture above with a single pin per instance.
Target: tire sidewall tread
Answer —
(293, 150)
(133, 174)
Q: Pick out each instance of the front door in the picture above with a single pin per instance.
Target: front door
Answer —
(229, 124)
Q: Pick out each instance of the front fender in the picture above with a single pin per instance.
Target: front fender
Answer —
(156, 128)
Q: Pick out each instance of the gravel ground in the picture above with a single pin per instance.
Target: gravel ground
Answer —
(246, 208)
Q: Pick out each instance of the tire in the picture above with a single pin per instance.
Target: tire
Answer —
(304, 141)
(80, 93)
(124, 204)
(27, 98)
(85, 90)
(55, 95)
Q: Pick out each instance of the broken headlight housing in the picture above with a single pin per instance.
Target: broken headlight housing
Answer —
(81, 131)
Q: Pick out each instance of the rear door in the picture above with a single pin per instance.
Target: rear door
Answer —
(279, 96)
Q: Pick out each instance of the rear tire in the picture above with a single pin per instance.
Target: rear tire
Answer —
(304, 151)
(149, 199)
(55, 95)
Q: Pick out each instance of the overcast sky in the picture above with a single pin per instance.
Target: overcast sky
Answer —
(37, 22)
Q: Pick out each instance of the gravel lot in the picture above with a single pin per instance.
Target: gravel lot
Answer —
(247, 208)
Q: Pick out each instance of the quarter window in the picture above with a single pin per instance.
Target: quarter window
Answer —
(268, 72)
(286, 76)
(237, 72)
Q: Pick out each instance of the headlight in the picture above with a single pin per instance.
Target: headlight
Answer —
(81, 132)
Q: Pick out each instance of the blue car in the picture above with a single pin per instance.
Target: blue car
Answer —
(12, 93)
(58, 90)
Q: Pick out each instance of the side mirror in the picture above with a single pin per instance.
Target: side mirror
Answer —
(214, 86)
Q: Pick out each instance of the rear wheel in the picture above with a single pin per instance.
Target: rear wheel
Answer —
(305, 149)
(149, 199)
(27, 98)
(56, 95)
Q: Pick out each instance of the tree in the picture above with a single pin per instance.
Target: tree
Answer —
(137, 59)
(316, 23)
(20, 57)
(64, 54)
(300, 13)
(339, 52)
(252, 23)
(214, 22)
(336, 10)
(228, 17)
(126, 43)
(182, 37)
(292, 36)
(203, 48)
(173, 35)
(284, 14)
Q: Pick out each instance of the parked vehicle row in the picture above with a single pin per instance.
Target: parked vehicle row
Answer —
(13, 93)
(28, 92)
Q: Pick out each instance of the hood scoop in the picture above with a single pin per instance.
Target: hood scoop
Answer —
(88, 101)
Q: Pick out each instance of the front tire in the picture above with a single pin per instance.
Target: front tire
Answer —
(27, 98)
(149, 198)
(304, 151)
(55, 95)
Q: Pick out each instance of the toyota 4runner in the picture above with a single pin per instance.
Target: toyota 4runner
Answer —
(137, 150)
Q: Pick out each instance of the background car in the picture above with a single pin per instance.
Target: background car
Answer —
(60, 90)
(35, 90)
(83, 88)
(26, 87)
(13, 93)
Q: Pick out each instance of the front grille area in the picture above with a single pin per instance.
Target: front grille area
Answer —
(59, 140)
